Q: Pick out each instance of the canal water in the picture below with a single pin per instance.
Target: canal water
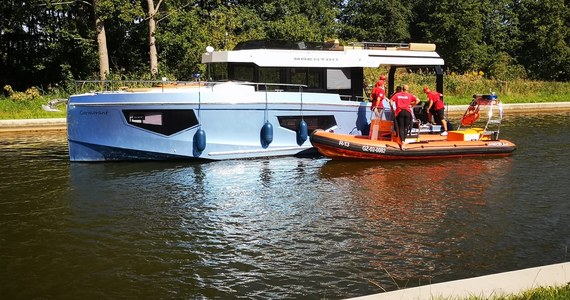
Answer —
(279, 228)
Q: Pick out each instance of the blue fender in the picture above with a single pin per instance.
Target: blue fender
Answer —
(199, 141)
(266, 134)
(302, 132)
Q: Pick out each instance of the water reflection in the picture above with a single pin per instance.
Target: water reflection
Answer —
(277, 228)
(411, 209)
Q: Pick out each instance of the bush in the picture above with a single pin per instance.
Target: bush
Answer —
(29, 94)
(459, 88)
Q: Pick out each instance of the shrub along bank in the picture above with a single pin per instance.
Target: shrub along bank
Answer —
(458, 89)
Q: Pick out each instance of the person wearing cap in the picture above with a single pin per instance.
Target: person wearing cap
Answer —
(436, 108)
(378, 94)
(404, 102)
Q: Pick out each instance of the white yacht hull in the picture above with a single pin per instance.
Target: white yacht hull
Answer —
(157, 125)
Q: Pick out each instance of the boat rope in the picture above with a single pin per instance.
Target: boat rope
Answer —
(301, 92)
(199, 104)
(266, 115)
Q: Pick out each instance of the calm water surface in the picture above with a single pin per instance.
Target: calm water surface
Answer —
(277, 228)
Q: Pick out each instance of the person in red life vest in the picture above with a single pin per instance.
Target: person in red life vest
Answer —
(377, 95)
(404, 102)
(436, 108)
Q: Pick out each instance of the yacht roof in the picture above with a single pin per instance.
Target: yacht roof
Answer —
(356, 55)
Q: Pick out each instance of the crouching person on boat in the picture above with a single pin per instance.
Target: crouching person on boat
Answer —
(404, 102)
(436, 108)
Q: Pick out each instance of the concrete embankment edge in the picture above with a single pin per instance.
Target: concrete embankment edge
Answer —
(60, 123)
(52, 124)
(485, 287)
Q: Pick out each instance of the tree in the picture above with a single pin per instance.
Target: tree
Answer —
(101, 38)
(309, 20)
(124, 17)
(189, 29)
(152, 10)
(457, 27)
(376, 20)
(545, 36)
(183, 38)
(501, 35)
(472, 36)
(44, 43)
(47, 42)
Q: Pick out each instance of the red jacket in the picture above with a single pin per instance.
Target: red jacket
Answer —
(403, 101)
(435, 97)
(378, 94)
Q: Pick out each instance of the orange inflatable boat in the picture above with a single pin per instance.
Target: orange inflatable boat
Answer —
(382, 144)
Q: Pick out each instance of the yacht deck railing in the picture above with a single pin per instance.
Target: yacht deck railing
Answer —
(82, 86)
(93, 86)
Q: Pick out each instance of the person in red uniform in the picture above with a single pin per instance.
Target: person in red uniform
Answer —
(404, 102)
(378, 94)
(436, 108)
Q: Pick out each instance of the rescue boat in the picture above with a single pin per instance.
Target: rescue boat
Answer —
(474, 137)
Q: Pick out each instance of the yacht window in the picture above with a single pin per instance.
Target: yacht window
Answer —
(338, 79)
(311, 77)
(270, 75)
(298, 75)
(167, 122)
(243, 73)
(313, 122)
(219, 72)
(314, 78)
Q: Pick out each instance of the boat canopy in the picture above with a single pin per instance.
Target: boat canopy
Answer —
(322, 67)
(327, 55)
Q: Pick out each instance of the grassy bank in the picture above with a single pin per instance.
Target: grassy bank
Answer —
(28, 109)
(541, 293)
(458, 89)
(28, 104)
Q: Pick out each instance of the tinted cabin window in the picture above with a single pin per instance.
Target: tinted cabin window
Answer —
(270, 75)
(219, 71)
(167, 122)
(314, 78)
(313, 122)
(243, 73)
(298, 75)
(311, 77)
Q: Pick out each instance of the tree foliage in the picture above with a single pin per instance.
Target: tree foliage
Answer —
(46, 43)
(376, 20)
(544, 38)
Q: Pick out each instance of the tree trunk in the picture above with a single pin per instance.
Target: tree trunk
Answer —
(152, 41)
(102, 45)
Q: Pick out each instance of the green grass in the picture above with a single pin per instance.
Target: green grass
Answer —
(552, 293)
(541, 293)
(28, 109)
(458, 89)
